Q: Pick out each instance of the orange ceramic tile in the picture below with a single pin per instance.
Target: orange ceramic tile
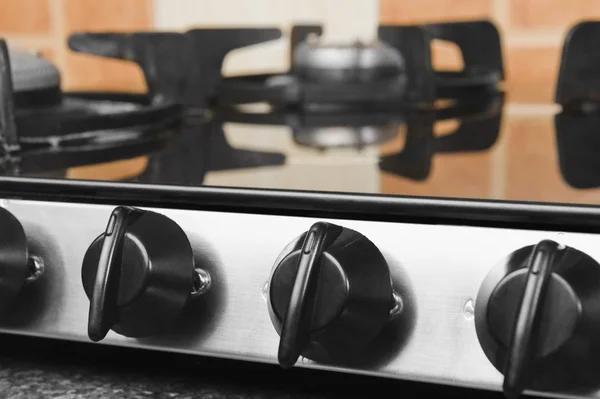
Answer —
(446, 56)
(532, 73)
(110, 171)
(93, 73)
(410, 11)
(532, 168)
(24, 17)
(551, 13)
(108, 14)
(88, 72)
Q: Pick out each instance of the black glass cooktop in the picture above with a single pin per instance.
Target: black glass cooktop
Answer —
(196, 127)
(481, 148)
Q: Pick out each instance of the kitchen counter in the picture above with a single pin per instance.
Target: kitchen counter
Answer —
(34, 368)
(39, 368)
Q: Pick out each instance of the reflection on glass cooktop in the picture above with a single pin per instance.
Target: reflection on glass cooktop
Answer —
(476, 148)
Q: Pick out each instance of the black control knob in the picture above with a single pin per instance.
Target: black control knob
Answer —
(139, 274)
(537, 317)
(330, 294)
(17, 266)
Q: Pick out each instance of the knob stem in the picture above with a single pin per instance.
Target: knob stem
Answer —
(295, 329)
(36, 269)
(202, 282)
(103, 300)
(527, 325)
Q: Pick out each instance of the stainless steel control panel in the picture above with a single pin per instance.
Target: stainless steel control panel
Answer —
(437, 269)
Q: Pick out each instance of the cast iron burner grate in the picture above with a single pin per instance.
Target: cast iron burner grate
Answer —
(44, 128)
(370, 84)
(187, 66)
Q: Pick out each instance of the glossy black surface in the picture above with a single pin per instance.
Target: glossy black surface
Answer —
(415, 82)
(472, 148)
(475, 147)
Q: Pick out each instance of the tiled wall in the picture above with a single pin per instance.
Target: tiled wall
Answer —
(44, 25)
(532, 32)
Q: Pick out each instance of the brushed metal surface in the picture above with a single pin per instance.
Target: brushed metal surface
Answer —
(437, 269)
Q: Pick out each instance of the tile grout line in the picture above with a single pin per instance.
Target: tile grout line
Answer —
(58, 34)
(534, 38)
(501, 13)
(527, 110)
(498, 172)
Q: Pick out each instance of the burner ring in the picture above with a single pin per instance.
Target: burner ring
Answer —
(338, 63)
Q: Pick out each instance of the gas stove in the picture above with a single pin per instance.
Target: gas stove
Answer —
(361, 212)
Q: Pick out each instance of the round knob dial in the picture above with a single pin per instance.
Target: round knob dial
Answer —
(16, 266)
(330, 294)
(537, 317)
(139, 275)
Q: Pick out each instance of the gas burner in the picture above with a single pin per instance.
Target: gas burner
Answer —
(43, 127)
(397, 68)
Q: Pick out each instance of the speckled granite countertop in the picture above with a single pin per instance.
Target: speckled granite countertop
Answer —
(36, 368)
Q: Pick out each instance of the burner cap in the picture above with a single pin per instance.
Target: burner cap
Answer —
(32, 72)
(360, 62)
